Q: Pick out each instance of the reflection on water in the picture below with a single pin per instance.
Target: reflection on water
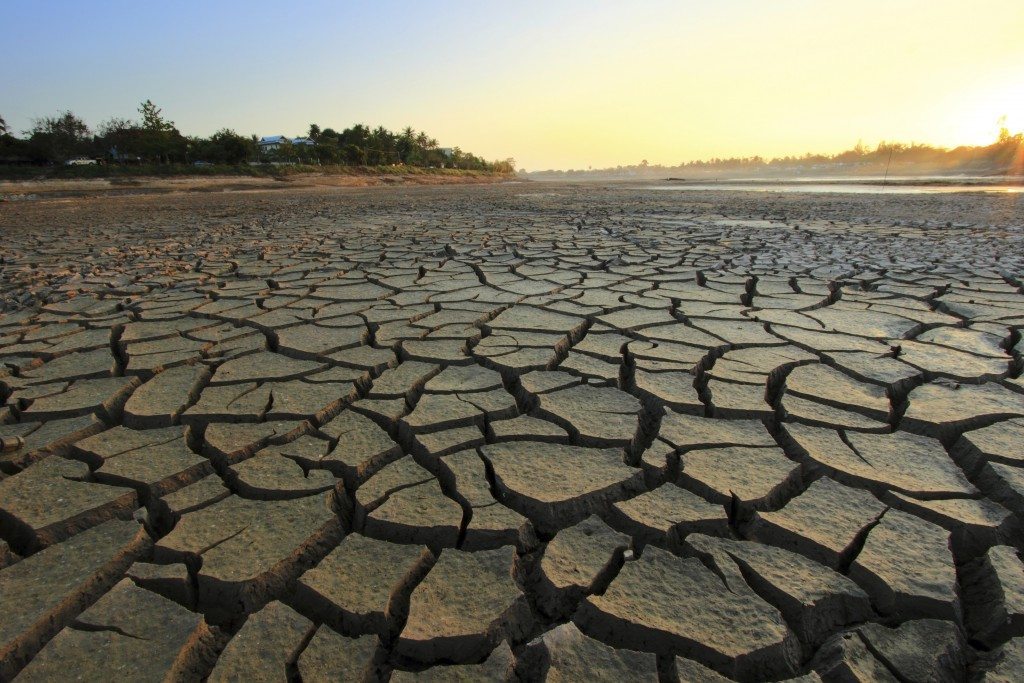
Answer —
(844, 188)
(859, 185)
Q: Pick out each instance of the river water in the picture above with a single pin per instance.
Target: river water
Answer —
(865, 185)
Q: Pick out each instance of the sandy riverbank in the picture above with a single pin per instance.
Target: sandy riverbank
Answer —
(13, 190)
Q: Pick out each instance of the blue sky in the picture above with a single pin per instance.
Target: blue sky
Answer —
(562, 83)
(214, 62)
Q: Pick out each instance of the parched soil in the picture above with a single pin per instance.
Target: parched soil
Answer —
(510, 432)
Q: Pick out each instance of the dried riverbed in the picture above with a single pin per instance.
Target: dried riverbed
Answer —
(545, 431)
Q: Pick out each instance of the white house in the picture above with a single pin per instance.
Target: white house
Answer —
(271, 143)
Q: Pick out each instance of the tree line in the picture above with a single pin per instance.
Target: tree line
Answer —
(154, 139)
(1004, 153)
(1004, 156)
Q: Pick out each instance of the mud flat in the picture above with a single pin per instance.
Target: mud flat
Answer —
(517, 432)
(65, 188)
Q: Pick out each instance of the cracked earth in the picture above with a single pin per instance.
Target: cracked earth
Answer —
(512, 433)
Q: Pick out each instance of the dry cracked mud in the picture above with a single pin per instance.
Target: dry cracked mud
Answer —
(522, 432)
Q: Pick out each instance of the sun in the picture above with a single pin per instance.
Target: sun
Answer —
(984, 113)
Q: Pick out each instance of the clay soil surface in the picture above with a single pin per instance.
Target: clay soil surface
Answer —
(301, 431)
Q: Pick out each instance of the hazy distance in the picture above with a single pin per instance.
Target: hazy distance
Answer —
(555, 84)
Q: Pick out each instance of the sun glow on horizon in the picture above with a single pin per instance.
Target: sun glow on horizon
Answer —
(552, 83)
(980, 112)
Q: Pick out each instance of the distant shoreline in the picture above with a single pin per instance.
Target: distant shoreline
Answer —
(922, 180)
(70, 172)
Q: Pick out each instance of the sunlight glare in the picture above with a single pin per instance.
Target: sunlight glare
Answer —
(1000, 106)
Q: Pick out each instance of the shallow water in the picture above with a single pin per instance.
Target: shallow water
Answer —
(862, 185)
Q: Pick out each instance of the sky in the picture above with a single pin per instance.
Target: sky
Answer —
(553, 83)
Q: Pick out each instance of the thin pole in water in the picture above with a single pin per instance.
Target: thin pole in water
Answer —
(886, 178)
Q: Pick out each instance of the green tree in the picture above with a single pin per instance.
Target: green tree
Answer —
(228, 147)
(59, 138)
(120, 138)
(354, 154)
(161, 141)
(504, 165)
(11, 148)
(153, 119)
(285, 151)
(405, 145)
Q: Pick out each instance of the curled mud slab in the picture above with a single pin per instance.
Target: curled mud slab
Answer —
(512, 433)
